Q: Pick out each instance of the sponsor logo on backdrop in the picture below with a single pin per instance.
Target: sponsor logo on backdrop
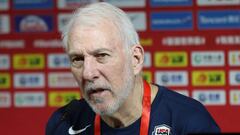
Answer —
(147, 60)
(5, 99)
(228, 40)
(73, 4)
(29, 80)
(235, 97)
(183, 92)
(4, 5)
(4, 24)
(147, 75)
(217, 2)
(207, 58)
(219, 19)
(146, 41)
(234, 58)
(12, 44)
(32, 4)
(62, 20)
(34, 23)
(180, 20)
(184, 41)
(171, 59)
(52, 43)
(61, 98)
(28, 61)
(208, 78)
(61, 80)
(58, 61)
(127, 3)
(210, 97)
(167, 3)
(234, 77)
(5, 81)
(29, 99)
(4, 61)
(171, 78)
(138, 19)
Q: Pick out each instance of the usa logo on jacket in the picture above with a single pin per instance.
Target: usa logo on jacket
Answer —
(161, 130)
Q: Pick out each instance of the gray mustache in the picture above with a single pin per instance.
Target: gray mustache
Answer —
(91, 87)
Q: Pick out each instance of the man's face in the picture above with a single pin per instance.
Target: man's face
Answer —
(101, 67)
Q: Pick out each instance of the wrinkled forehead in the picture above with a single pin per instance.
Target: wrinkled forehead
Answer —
(95, 37)
(104, 28)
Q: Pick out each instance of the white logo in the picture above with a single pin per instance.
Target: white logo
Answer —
(138, 19)
(61, 80)
(147, 59)
(207, 58)
(210, 96)
(127, 3)
(74, 132)
(29, 80)
(217, 2)
(30, 99)
(12, 44)
(171, 78)
(4, 24)
(161, 130)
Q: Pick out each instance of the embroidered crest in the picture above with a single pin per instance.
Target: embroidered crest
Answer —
(161, 130)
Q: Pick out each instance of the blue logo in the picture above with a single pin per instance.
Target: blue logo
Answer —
(167, 3)
(4, 62)
(220, 19)
(34, 23)
(177, 78)
(64, 61)
(172, 20)
(165, 78)
(32, 4)
(33, 80)
(214, 97)
(57, 61)
(172, 78)
(237, 77)
(202, 97)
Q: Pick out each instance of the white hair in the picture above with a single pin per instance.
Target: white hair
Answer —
(93, 14)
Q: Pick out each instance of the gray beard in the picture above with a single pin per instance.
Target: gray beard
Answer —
(119, 99)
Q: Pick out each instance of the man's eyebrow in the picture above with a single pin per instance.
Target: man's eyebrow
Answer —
(74, 53)
(101, 50)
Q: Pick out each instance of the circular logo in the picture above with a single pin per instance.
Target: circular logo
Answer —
(202, 97)
(237, 77)
(165, 79)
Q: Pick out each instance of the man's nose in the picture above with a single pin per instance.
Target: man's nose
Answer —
(90, 69)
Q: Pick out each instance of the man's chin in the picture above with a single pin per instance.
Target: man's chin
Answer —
(103, 109)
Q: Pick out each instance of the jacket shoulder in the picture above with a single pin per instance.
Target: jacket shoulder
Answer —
(71, 114)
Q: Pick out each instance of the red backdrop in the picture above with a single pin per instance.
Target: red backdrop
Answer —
(35, 79)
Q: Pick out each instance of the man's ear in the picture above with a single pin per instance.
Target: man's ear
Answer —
(137, 58)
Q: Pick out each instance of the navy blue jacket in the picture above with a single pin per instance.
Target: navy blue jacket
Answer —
(171, 113)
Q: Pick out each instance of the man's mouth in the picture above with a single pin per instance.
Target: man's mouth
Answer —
(96, 92)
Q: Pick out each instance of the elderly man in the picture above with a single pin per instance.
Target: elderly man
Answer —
(106, 60)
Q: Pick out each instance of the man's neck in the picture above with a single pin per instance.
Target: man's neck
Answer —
(130, 111)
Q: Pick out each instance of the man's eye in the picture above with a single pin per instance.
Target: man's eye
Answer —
(101, 55)
(77, 61)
